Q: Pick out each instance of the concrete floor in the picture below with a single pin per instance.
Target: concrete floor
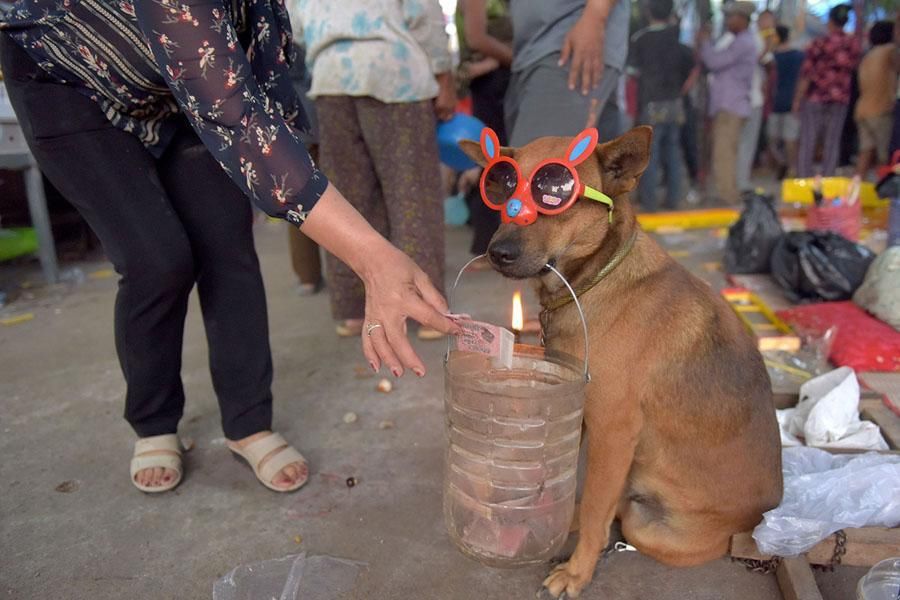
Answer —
(61, 396)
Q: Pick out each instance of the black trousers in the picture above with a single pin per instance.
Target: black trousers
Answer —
(165, 223)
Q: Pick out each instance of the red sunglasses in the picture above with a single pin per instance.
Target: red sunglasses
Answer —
(552, 188)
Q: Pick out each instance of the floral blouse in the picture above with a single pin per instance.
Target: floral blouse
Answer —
(385, 49)
(222, 63)
(829, 66)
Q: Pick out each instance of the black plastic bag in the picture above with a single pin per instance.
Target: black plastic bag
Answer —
(819, 265)
(752, 238)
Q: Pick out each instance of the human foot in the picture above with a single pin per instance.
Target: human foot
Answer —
(156, 464)
(349, 328)
(277, 465)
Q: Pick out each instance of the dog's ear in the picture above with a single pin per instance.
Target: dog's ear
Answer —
(473, 151)
(623, 159)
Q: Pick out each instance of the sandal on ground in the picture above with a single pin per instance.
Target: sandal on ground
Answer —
(429, 334)
(349, 328)
(255, 452)
(158, 451)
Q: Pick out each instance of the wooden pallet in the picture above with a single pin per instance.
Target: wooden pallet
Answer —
(771, 332)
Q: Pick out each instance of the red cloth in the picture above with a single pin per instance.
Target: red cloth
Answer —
(862, 341)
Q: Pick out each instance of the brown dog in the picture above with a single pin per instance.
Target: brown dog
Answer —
(682, 441)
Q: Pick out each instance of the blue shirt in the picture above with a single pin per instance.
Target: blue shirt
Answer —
(787, 69)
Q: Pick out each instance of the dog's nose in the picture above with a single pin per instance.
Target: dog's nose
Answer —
(504, 252)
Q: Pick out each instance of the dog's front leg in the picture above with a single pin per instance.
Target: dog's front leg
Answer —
(611, 444)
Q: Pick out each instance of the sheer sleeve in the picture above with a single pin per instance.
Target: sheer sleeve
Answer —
(238, 101)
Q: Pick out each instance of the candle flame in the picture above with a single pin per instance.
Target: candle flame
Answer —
(518, 316)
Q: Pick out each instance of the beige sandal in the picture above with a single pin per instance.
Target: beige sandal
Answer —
(255, 452)
(158, 451)
(428, 334)
(349, 328)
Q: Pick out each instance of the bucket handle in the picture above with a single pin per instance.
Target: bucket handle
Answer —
(587, 374)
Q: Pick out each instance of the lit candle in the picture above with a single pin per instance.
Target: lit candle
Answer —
(518, 316)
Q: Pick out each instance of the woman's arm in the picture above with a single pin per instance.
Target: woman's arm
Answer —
(396, 289)
(211, 77)
(476, 33)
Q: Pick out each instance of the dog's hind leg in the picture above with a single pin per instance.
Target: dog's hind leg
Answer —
(671, 540)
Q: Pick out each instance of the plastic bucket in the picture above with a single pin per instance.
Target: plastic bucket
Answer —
(512, 453)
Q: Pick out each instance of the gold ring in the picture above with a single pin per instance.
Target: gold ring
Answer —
(372, 327)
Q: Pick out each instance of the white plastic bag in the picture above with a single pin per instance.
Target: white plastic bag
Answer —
(824, 493)
(880, 291)
(293, 577)
(827, 415)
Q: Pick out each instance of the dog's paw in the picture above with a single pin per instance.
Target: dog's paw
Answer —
(562, 580)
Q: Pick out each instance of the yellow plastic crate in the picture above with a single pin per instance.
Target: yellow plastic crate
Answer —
(689, 219)
(800, 191)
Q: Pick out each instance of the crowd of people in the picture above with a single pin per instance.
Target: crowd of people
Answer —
(770, 96)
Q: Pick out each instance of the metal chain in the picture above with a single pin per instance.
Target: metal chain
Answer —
(840, 549)
(759, 566)
(769, 565)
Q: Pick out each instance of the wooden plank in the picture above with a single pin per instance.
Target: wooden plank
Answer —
(788, 395)
(889, 423)
(796, 580)
(865, 547)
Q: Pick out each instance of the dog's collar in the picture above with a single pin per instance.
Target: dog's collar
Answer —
(614, 262)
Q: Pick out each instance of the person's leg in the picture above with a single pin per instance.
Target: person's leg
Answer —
(305, 256)
(546, 106)
(671, 155)
(882, 126)
(809, 124)
(688, 140)
(726, 133)
(345, 158)
(749, 140)
(218, 219)
(111, 179)
(305, 259)
(834, 116)
(866, 146)
(791, 133)
(402, 143)
(774, 149)
(648, 186)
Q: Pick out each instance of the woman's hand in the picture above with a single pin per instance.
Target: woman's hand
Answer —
(445, 103)
(397, 289)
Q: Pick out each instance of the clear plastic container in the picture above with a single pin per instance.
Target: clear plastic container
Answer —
(514, 434)
(882, 582)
